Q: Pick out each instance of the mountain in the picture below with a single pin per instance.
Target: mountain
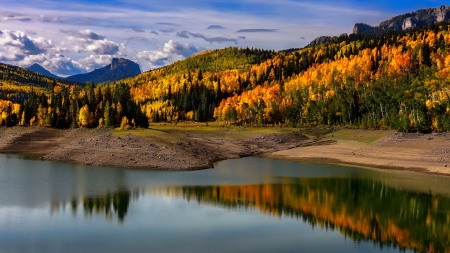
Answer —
(402, 22)
(325, 39)
(39, 69)
(117, 70)
(405, 21)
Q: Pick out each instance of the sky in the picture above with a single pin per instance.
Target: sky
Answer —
(71, 37)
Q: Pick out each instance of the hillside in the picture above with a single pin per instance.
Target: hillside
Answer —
(396, 81)
(393, 81)
(16, 83)
(117, 70)
(23, 95)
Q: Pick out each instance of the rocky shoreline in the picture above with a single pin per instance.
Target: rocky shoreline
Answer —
(195, 147)
(158, 148)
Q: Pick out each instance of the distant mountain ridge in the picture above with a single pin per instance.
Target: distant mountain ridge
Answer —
(119, 68)
(398, 23)
(41, 70)
(325, 39)
(406, 21)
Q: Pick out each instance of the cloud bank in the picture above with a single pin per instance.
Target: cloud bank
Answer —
(171, 51)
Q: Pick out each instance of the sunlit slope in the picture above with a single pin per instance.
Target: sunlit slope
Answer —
(399, 80)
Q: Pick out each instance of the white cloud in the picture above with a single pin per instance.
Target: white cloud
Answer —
(85, 34)
(11, 54)
(64, 66)
(93, 62)
(102, 47)
(88, 41)
(16, 45)
(171, 52)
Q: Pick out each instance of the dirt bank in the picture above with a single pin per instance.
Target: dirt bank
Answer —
(196, 146)
(428, 153)
(161, 147)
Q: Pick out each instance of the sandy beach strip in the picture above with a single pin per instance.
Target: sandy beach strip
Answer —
(427, 153)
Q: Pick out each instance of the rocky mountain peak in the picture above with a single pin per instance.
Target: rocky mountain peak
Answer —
(325, 39)
(442, 13)
(114, 63)
(120, 68)
(408, 20)
(402, 22)
(361, 27)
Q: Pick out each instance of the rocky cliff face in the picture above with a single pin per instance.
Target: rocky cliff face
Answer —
(407, 21)
(117, 70)
(398, 23)
(442, 13)
(325, 39)
(361, 27)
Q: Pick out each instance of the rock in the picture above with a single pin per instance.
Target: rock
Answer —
(361, 27)
(408, 23)
(442, 13)
(410, 20)
(325, 39)
(320, 40)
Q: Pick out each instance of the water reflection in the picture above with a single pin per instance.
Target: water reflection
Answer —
(111, 205)
(389, 210)
(361, 209)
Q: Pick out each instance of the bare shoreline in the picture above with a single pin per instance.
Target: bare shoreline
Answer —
(191, 147)
(195, 147)
(422, 153)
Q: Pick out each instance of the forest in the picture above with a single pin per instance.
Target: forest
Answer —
(399, 80)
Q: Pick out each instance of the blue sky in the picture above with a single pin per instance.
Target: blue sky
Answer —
(70, 37)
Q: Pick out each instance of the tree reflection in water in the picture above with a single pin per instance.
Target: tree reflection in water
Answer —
(108, 204)
(364, 210)
(361, 209)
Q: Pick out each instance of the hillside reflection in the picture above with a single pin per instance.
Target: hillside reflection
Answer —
(113, 205)
(364, 210)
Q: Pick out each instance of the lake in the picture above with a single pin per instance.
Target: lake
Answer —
(244, 205)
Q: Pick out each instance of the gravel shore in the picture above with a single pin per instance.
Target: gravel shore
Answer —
(163, 148)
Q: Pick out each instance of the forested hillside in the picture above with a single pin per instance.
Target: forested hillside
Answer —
(396, 81)
(24, 94)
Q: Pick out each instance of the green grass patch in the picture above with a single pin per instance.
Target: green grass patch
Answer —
(213, 130)
(365, 136)
(316, 132)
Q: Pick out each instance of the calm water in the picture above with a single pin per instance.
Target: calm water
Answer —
(246, 205)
